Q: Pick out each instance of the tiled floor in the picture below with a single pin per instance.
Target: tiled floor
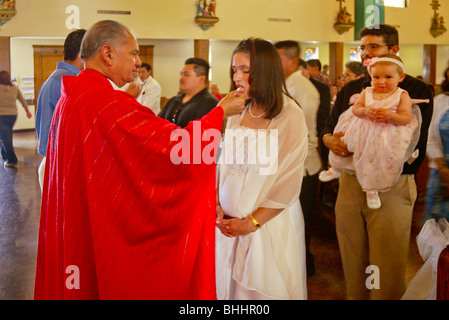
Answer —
(19, 222)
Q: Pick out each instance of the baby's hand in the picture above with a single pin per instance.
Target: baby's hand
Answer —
(382, 115)
(371, 113)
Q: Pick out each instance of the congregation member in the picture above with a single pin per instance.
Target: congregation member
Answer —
(437, 198)
(377, 238)
(9, 94)
(353, 70)
(314, 70)
(306, 94)
(150, 94)
(50, 92)
(195, 100)
(324, 109)
(381, 131)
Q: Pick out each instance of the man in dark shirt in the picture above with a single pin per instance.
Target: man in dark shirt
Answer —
(375, 243)
(195, 99)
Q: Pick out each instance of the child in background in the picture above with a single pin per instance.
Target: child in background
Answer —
(379, 129)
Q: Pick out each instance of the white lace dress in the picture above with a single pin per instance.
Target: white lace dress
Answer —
(380, 148)
(269, 263)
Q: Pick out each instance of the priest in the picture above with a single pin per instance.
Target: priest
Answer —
(120, 220)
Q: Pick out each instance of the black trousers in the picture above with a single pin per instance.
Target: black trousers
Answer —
(308, 199)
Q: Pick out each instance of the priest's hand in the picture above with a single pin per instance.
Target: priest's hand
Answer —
(233, 103)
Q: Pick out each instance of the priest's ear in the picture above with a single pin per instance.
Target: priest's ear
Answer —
(107, 53)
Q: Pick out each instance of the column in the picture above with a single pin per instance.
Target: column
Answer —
(429, 63)
(5, 54)
(336, 60)
(201, 49)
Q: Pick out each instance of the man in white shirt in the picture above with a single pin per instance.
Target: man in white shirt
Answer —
(308, 97)
(324, 111)
(150, 95)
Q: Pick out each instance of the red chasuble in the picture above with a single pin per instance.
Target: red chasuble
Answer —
(119, 220)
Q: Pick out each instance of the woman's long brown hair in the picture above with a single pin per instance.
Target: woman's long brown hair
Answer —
(266, 75)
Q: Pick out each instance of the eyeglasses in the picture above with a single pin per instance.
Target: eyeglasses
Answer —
(371, 47)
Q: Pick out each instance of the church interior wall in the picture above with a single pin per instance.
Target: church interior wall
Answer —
(170, 27)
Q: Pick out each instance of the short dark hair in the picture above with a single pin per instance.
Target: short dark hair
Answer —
(356, 67)
(389, 33)
(5, 78)
(302, 63)
(291, 48)
(201, 66)
(314, 63)
(146, 66)
(72, 44)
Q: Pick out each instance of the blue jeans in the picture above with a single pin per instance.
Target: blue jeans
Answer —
(437, 202)
(7, 149)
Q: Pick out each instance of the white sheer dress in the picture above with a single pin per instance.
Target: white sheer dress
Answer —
(269, 263)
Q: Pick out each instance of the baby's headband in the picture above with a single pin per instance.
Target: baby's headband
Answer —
(386, 59)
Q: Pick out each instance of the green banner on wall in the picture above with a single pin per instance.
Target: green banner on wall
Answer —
(368, 13)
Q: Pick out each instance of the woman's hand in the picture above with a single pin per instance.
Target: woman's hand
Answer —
(234, 227)
(220, 212)
(219, 222)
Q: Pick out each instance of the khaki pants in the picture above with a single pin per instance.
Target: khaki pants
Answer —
(378, 238)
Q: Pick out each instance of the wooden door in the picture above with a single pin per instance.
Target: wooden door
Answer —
(146, 55)
(45, 60)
